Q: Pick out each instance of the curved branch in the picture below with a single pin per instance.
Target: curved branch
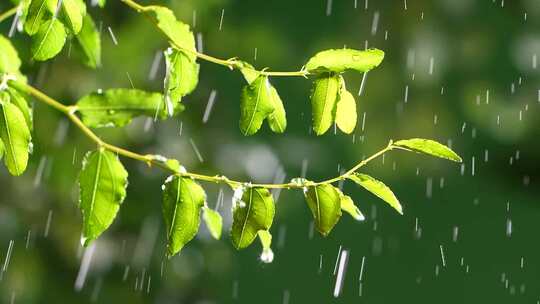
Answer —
(230, 63)
(154, 160)
(12, 11)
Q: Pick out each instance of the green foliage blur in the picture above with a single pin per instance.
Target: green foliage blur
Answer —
(462, 72)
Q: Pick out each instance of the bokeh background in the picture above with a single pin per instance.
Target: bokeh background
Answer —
(463, 72)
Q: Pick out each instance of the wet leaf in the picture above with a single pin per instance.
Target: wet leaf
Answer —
(117, 107)
(20, 100)
(89, 41)
(37, 13)
(345, 110)
(277, 120)
(183, 199)
(254, 212)
(72, 13)
(324, 201)
(347, 205)
(49, 40)
(378, 188)
(429, 147)
(340, 60)
(247, 70)
(182, 75)
(15, 136)
(213, 221)
(266, 238)
(102, 189)
(323, 102)
(256, 104)
(9, 59)
(178, 32)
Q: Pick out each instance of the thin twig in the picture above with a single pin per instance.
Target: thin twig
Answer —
(5, 15)
(230, 63)
(152, 160)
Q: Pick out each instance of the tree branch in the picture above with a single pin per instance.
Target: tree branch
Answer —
(153, 160)
(230, 63)
(8, 13)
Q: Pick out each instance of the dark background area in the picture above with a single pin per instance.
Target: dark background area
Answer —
(482, 97)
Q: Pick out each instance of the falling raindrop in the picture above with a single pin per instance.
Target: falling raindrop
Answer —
(85, 266)
(209, 106)
(221, 19)
(328, 7)
(455, 233)
(113, 37)
(286, 296)
(200, 43)
(508, 227)
(374, 23)
(362, 83)
(344, 257)
(442, 256)
(48, 224)
(196, 150)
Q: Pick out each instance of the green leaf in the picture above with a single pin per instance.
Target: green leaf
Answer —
(266, 238)
(19, 100)
(37, 14)
(117, 107)
(254, 212)
(2, 149)
(277, 120)
(378, 188)
(213, 221)
(102, 189)
(324, 201)
(49, 40)
(247, 70)
(9, 59)
(323, 101)
(182, 75)
(16, 137)
(429, 147)
(345, 110)
(344, 59)
(101, 3)
(267, 255)
(183, 199)
(255, 105)
(348, 206)
(177, 31)
(90, 42)
(72, 13)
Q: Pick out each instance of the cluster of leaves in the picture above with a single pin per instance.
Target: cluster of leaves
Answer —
(15, 113)
(51, 22)
(103, 179)
(259, 99)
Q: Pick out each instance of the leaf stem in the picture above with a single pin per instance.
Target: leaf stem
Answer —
(152, 160)
(230, 63)
(8, 13)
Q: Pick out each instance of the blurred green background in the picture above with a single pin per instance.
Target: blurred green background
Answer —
(470, 73)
